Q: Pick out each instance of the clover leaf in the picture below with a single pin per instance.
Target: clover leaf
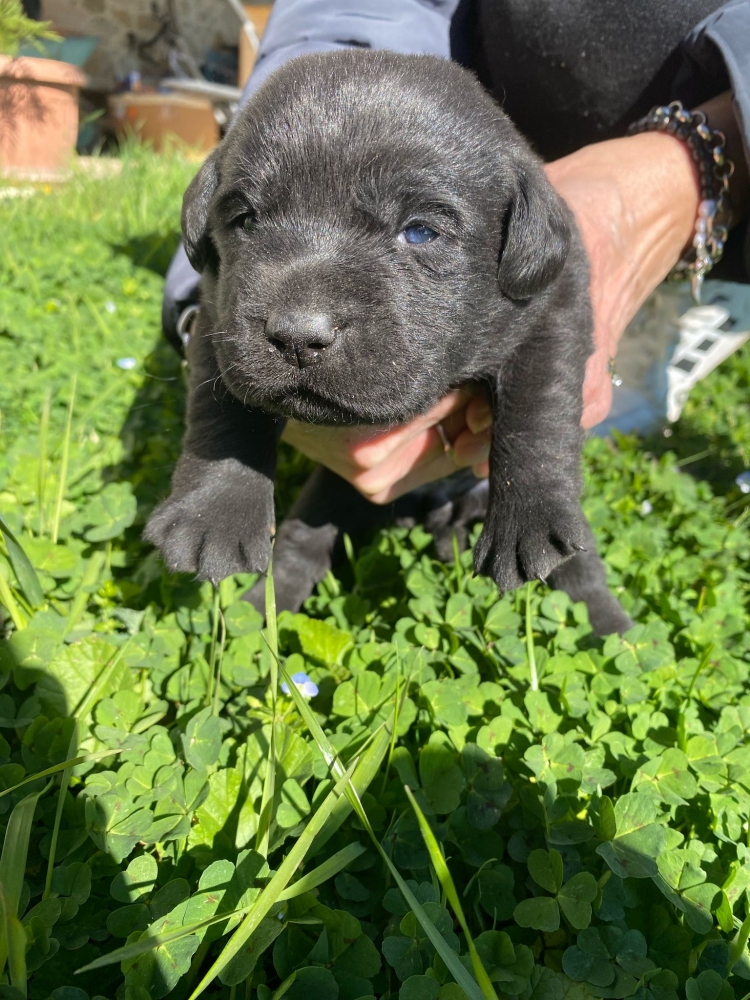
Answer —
(201, 741)
(638, 840)
(573, 898)
(109, 513)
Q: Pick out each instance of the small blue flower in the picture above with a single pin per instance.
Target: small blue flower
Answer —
(110, 307)
(127, 364)
(306, 687)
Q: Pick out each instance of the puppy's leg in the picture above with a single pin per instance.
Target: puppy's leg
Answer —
(534, 518)
(219, 517)
(326, 507)
(584, 578)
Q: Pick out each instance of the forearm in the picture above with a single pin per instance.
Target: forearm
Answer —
(636, 202)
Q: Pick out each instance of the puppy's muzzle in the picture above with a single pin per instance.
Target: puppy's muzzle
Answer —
(301, 338)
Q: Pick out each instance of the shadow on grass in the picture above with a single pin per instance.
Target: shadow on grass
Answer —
(711, 457)
(153, 251)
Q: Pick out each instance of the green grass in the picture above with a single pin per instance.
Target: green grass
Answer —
(577, 824)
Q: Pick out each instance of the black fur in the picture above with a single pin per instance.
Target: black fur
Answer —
(294, 222)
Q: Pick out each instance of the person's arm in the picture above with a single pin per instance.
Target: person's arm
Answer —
(636, 203)
(298, 27)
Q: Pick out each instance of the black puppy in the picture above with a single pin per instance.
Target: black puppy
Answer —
(372, 232)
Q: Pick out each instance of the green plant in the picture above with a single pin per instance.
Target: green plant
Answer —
(16, 28)
(454, 782)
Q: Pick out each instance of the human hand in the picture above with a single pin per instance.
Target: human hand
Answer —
(383, 465)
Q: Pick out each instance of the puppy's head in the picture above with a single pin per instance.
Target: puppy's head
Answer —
(367, 223)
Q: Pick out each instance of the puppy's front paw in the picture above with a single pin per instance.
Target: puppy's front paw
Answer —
(214, 534)
(527, 539)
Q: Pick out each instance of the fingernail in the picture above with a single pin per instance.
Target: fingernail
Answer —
(481, 420)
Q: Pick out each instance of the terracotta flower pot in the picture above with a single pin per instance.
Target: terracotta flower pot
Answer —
(38, 116)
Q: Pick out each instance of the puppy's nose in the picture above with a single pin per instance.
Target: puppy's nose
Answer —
(300, 338)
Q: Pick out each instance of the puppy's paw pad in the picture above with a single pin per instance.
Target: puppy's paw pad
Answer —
(213, 539)
(552, 536)
(518, 545)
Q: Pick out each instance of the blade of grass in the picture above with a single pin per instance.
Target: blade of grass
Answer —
(446, 881)
(11, 604)
(278, 883)
(41, 482)
(98, 317)
(263, 835)
(64, 461)
(28, 581)
(271, 623)
(97, 755)
(90, 578)
(212, 653)
(350, 557)
(397, 706)
(332, 866)
(219, 663)
(83, 709)
(530, 639)
(681, 716)
(17, 953)
(739, 943)
(88, 702)
(336, 863)
(13, 862)
(143, 945)
(457, 567)
(15, 848)
(457, 970)
(13, 945)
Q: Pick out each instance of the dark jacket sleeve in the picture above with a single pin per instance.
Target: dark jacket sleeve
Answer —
(297, 27)
(717, 58)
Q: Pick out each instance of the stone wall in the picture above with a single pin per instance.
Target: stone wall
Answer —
(202, 23)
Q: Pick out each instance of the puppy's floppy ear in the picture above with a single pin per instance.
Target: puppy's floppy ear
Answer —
(536, 237)
(195, 213)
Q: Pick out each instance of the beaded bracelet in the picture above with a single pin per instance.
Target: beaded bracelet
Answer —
(706, 146)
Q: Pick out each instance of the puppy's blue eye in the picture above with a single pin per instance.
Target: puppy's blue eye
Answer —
(417, 234)
(246, 221)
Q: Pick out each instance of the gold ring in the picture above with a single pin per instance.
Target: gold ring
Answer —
(447, 446)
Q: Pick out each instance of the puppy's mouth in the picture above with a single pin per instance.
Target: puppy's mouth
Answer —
(299, 395)
(310, 405)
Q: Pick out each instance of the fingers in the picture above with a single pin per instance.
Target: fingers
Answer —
(479, 413)
(417, 461)
(385, 464)
(370, 452)
(424, 460)
(471, 449)
(434, 463)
